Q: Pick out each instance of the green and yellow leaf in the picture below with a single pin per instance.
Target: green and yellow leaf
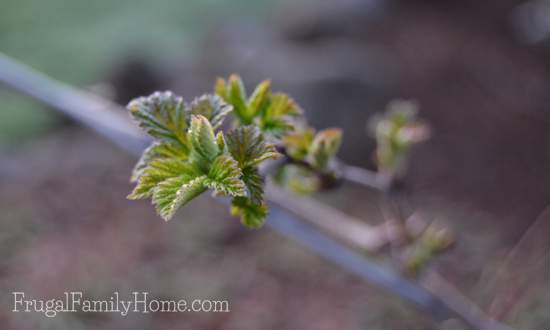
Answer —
(203, 142)
(259, 98)
(225, 177)
(254, 183)
(162, 115)
(252, 215)
(159, 170)
(236, 96)
(247, 145)
(297, 143)
(324, 147)
(175, 192)
(159, 150)
(278, 117)
(212, 107)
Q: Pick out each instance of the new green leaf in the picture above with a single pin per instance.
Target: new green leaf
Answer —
(203, 141)
(233, 92)
(252, 215)
(324, 147)
(274, 113)
(211, 107)
(278, 117)
(247, 145)
(175, 192)
(162, 115)
(225, 177)
(297, 144)
(159, 170)
(259, 98)
(254, 183)
(159, 150)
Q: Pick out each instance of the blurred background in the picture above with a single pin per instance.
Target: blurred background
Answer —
(480, 72)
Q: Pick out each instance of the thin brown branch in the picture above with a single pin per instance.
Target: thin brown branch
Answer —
(338, 224)
(364, 177)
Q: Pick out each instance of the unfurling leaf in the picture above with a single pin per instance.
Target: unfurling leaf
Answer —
(159, 150)
(396, 132)
(282, 105)
(162, 115)
(202, 139)
(297, 144)
(220, 140)
(259, 98)
(274, 113)
(175, 192)
(324, 147)
(236, 96)
(254, 183)
(159, 170)
(247, 145)
(233, 92)
(225, 177)
(311, 155)
(220, 89)
(316, 149)
(252, 214)
(431, 243)
(211, 107)
(278, 117)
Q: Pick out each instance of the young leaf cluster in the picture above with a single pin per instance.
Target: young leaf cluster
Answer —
(281, 119)
(396, 132)
(190, 155)
(432, 242)
(317, 150)
(311, 154)
(273, 113)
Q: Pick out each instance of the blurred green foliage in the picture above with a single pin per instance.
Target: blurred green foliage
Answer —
(78, 41)
(20, 119)
(396, 131)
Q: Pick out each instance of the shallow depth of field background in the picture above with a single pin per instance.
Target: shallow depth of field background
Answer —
(479, 70)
